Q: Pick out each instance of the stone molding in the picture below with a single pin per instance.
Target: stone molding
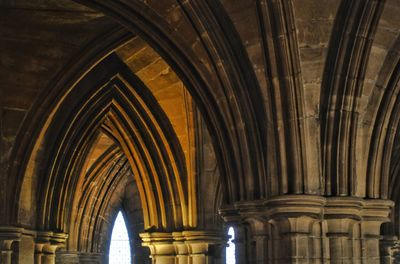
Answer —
(312, 205)
(185, 246)
(8, 236)
(74, 257)
(46, 243)
(292, 228)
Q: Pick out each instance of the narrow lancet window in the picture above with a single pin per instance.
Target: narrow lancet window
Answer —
(120, 252)
(230, 250)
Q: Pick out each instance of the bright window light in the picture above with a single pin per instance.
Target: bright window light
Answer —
(120, 251)
(230, 250)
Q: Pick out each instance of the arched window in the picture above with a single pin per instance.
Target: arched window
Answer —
(120, 251)
(230, 250)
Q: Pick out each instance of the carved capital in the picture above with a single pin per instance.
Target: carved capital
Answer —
(183, 246)
(303, 227)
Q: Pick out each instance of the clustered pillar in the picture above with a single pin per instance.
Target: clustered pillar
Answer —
(194, 247)
(46, 245)
(20, 245)
(390, 250)
(308, 229)
(8, 237)
(68, 257)
(283, 229)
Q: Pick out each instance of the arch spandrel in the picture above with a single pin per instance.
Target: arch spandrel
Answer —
(295, 95)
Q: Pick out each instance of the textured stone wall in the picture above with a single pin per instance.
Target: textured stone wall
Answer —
(283, 116)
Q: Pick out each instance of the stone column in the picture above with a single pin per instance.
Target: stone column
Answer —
(49, 257)
(204, 246)
(67, 257)
(8, 236)
(91, 258)
(194, 247)
(38, 253)
(353, 228)
(390, 250)
(309, 229)
(6, 251)
(374, 214)
(343, 218)
(46, 245)
(162, 249)
(285, 229)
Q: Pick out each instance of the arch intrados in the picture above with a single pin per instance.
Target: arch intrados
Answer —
(195, 82)
(62, 88)
(222, 107)
(112, 106)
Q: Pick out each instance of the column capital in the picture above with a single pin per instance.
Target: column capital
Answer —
(289, 228)
(48, 242)
(9, 235)
(275, 206)
(159, 243)
(167, 247)
(188, 235)
(312, 205)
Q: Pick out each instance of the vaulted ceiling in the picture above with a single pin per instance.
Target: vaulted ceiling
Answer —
(299, 96)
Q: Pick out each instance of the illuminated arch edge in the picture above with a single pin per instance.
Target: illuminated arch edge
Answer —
(213, 71)
(98, 186)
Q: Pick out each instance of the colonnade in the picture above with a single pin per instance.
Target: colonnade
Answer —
(283, 229)
(20, 245)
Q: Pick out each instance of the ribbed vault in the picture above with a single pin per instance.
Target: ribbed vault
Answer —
(248, 100)
(214, 68)
(267, 88)
(122, 106)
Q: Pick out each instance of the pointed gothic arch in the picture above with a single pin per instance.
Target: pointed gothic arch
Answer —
(146, 138)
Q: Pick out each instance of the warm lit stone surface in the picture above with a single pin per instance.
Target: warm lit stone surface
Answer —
(185, 247)
(167, 88)
(38, 39)
(280, 118)
(299, 228)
